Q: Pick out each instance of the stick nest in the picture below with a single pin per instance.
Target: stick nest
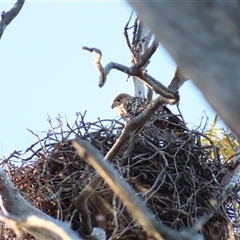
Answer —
(174, 175)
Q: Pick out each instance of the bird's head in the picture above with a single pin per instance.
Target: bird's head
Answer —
(119, 99)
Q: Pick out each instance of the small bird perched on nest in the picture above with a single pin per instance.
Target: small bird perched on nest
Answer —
(129, 107)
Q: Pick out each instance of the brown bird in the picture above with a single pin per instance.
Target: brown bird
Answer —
(129, 107)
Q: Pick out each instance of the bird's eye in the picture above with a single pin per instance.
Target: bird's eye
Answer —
(118, 100)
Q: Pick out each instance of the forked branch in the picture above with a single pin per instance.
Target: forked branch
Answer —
(159, 88)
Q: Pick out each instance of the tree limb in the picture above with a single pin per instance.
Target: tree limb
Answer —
(7, 17)
(152, 83)
(203, 38)
(40, 228)
(21, 214)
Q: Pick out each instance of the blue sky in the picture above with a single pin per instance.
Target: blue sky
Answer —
(44, 71)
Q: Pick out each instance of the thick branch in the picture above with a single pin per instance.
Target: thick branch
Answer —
(127, 194)
(203, 38)
(40, 227)
(159, 88)
(7, 17)
(20, 213)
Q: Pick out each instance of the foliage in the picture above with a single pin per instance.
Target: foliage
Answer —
(225, 140)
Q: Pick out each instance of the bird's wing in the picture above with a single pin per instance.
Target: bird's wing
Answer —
(164, 119)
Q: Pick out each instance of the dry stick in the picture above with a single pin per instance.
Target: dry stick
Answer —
(126, 33)
(7, 17)
(39, 227)
(158, 87)
(128, 196)
(81, 201)
(98, 65)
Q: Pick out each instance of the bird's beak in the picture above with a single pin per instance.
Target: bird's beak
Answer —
(113, 105)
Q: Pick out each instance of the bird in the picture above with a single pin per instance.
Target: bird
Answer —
(129, 107)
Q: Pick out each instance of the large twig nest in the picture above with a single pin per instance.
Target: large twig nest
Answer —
(175, 176)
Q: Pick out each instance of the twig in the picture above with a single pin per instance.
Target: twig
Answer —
(126, 28)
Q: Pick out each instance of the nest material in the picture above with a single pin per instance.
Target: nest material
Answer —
(174, 175)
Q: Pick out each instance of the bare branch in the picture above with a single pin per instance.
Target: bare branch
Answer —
(159, 88)
(155, 85)
(128, 196)
(40, 227)
(126, 28)
(98, 65)
(7, 17)
(19, 212)
(207, 53)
